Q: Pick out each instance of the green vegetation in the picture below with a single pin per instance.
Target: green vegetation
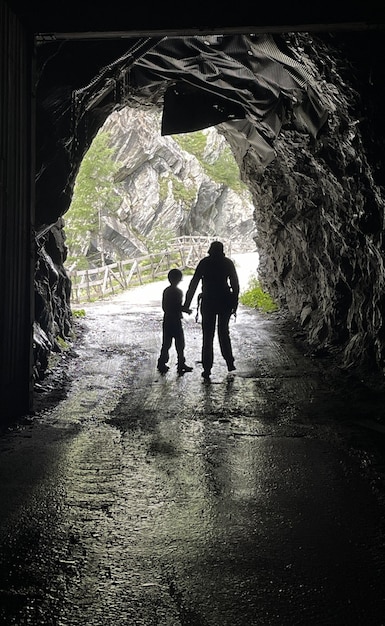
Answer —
(224, 171)
(160, 240)
(194, 143)
(181, 192)
(94, 197)
(78, 313)
(77, 262)
(62, 343)
(256, 298)
(163, 188)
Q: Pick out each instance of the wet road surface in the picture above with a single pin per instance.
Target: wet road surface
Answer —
(142, 499)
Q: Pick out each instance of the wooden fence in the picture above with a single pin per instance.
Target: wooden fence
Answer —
(98, 282)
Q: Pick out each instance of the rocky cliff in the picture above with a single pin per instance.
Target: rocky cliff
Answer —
(166, 189)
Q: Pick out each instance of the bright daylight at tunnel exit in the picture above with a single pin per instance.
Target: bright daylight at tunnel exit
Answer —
(206, 446)
(144, 203)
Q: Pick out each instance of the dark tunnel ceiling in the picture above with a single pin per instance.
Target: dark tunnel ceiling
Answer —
(247, 83)
(174, 18)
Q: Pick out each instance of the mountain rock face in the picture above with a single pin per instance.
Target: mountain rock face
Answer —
(318, 197)
(164, 188)
(320, 212)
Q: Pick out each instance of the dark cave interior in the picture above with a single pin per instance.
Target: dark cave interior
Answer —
(302, 114)
(299, 99)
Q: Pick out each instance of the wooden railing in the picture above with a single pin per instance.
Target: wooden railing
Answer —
(98, 282)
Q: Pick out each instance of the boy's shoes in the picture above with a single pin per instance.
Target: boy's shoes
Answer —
(163, 369)
(184, 368)
(206, 375)
(231, 367)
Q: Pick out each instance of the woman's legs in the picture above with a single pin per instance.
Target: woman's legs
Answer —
(224, 339)
(208, 331)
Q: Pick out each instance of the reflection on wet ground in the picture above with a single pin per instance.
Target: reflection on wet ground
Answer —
(143, 499)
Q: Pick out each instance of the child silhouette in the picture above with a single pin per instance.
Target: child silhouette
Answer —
(172, 324)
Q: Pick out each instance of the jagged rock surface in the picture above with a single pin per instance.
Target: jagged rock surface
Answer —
(52, 298)
(320, 219)
(154, 169)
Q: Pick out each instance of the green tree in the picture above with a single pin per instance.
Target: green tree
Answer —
(94, 196)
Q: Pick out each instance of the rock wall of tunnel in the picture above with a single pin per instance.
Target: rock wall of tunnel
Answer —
(319, 203)
(320, 214)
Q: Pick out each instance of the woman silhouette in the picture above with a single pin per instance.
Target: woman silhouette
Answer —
(220, 293)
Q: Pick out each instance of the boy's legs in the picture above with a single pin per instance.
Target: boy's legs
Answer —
(166, 345)
(180, 346)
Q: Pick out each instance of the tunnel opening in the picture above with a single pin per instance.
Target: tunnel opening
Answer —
(192, 104)
(299, 146)
(139, 193)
